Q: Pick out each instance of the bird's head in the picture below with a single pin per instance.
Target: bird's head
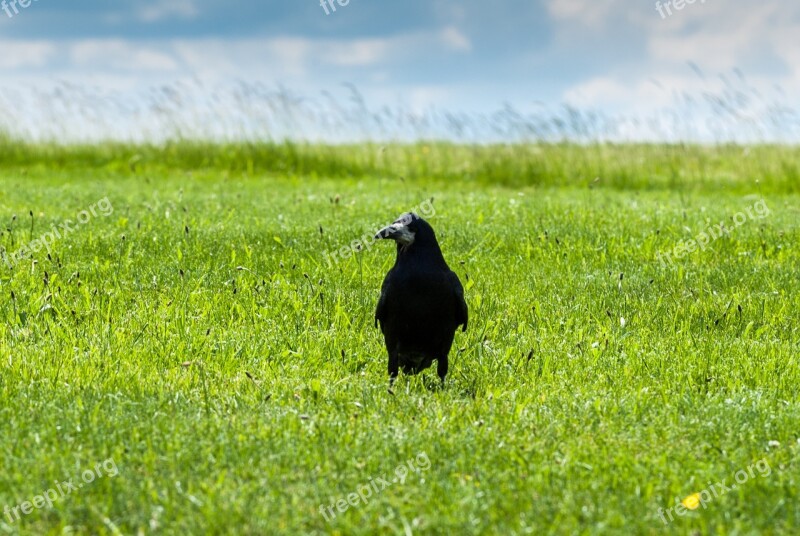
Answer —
(409, 229)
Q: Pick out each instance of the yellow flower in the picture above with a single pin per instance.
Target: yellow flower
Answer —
(692, 501)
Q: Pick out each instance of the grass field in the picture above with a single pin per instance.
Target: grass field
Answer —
(191, 348)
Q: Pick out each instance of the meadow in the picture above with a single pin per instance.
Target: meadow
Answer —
(192, 363)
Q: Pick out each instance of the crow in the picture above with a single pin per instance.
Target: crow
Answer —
(422, 301)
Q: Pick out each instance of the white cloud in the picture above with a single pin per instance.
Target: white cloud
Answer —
(26, 54)
(288, 59)
(117, 54)
(454, 39)
(757, 39)
(356, 53)
(715, 36)
(279, 57)
(608, 92)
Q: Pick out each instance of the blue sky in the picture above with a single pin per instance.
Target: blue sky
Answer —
(472, 56)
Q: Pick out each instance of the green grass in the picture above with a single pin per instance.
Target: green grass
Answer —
(198, 338)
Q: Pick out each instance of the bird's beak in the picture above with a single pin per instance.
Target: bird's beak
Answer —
(390, 231)
(398, 231)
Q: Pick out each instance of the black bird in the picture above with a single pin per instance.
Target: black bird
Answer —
(422, 301)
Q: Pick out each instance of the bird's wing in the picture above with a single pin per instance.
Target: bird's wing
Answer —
(462, 315)
(380, 310)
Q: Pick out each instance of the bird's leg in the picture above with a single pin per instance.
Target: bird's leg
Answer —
(441, 368)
